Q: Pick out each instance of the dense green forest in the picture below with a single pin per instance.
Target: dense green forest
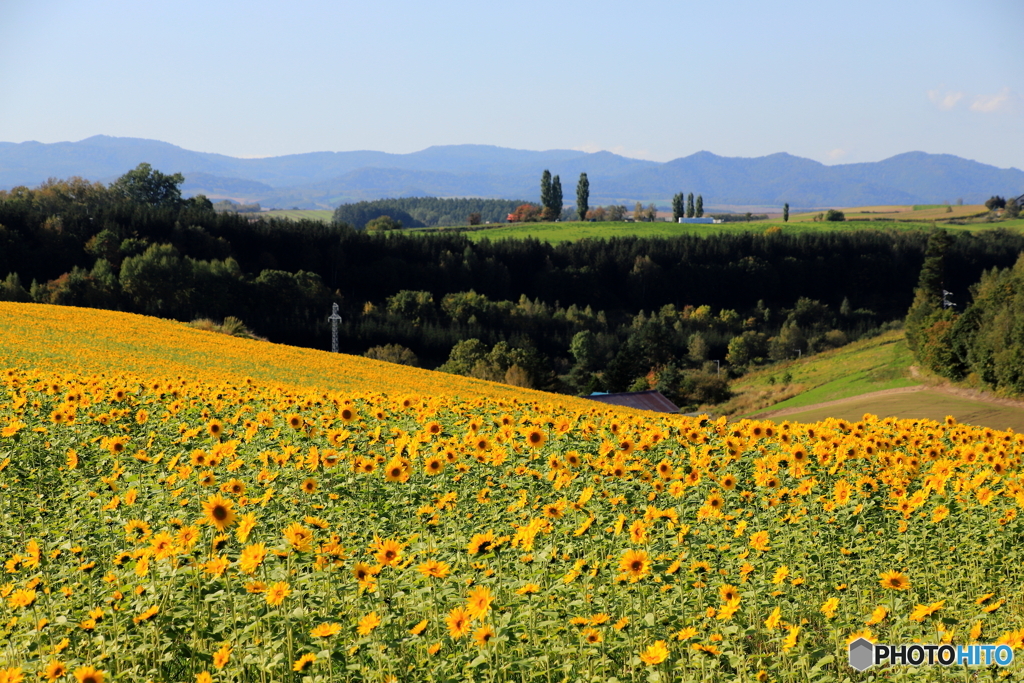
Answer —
(594, 314)
(419, 212)
(985, 343)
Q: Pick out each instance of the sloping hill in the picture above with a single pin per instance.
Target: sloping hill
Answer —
(872, 376)
(84, 340)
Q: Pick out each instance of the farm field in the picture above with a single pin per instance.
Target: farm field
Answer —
(572, 231)
(936, 212)
(325, 215)
(183, 506)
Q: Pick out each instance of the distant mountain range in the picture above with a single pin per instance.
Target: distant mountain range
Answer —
(326, 179)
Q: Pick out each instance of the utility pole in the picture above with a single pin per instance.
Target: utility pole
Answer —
(335, 319)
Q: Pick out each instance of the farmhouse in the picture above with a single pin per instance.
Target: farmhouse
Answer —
(642, 400)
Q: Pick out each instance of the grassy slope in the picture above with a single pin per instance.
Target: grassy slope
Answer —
(869, 365)
(852, 375)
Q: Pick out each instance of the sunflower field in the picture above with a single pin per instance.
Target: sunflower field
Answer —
(176, 526)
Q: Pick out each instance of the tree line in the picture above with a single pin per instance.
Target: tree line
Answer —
(750, 297)
(419, 212)
(984, 343)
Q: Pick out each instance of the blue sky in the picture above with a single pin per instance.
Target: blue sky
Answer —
(837, 82)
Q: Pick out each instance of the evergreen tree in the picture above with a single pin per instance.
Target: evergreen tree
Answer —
(700, 206)
(785, 212)
(582, 196)
(556, 197)
(545, 192)
(678, 207)
(927, 306)
(690, 211)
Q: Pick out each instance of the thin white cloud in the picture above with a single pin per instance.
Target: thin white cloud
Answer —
(992, 103)
(944, 100)
(836, 154)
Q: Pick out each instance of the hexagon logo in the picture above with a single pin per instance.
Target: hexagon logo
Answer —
(862, 654)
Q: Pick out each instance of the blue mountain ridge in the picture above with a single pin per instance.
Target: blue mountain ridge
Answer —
(325, 179)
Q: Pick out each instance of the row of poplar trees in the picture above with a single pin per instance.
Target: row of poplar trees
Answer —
(684, 207)
(551, 196)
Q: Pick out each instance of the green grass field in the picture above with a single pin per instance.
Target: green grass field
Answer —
(865, 366)
(573, 231)
(844, 383)
(875, 218)
(324, 215)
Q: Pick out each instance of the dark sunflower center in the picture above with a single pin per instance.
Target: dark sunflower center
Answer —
(220, 513)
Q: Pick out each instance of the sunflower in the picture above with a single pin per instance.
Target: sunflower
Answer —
(235, 487)
(136, 531)
(789, 642)
(728, 592)
(87, 674)
(252, 557)
(221, 656)
(277, 592)
(635, 564)
(294, 421)
(459, 623)
(478, 602)
(483, 635)
(433, 465)
(54, 670)
(877, 616)
(397, 469)
(347, 415)
(304, 662)
(299, 536)
(894, 580)
(664, 469)
(592, 636)
(245, 526)
(363, 571)
(215, 428)
(387, 551)
(147, 614)
(218, 512)
(481, 543)
(535, 437)
(921, 612)
(368, 623)
(434, 569)
(308, 485)
(759, 541)
(22, 598)
(655, 654)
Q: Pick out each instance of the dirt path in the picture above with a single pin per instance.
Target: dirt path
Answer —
(931, 400)
(840, 401)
